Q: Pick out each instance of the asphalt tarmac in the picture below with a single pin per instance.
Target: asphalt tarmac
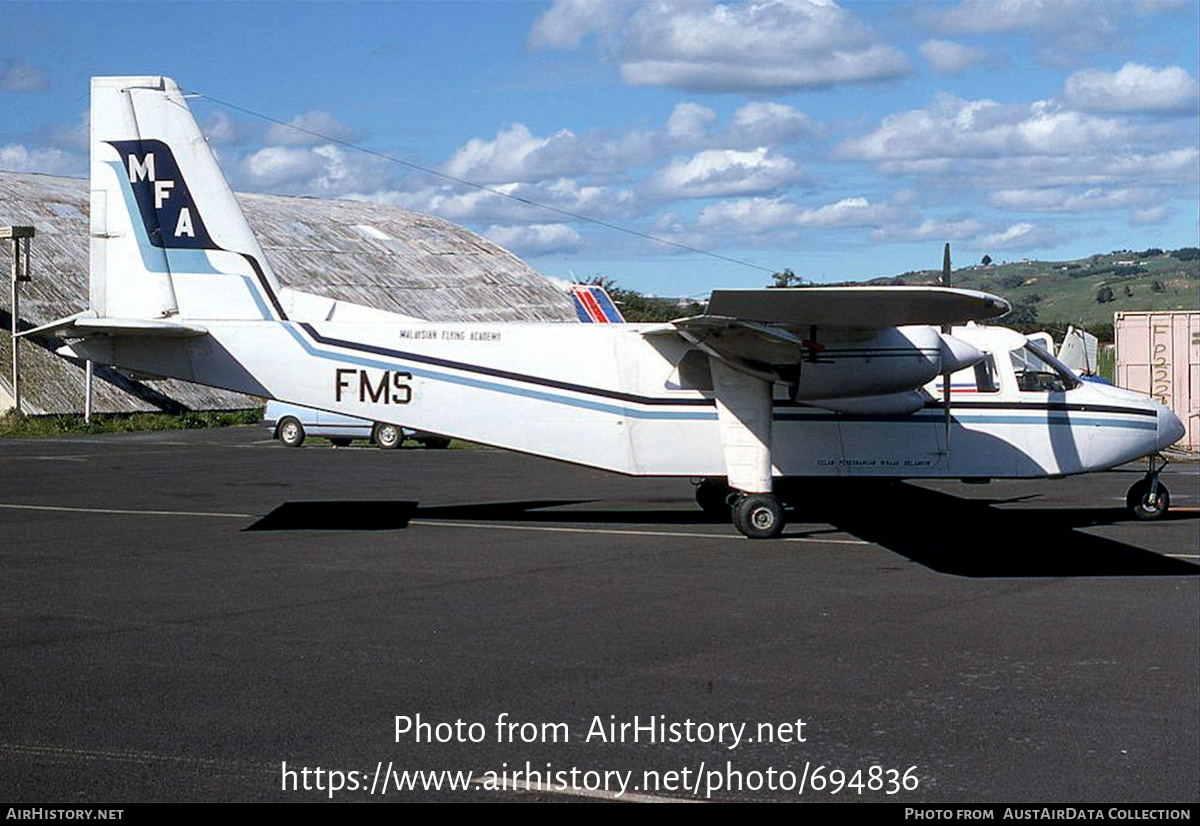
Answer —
(210, 616)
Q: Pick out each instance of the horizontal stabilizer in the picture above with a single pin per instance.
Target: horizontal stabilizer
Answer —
(88, 324)
(861, 307)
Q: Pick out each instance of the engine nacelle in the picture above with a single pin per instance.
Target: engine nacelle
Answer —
(892, 361)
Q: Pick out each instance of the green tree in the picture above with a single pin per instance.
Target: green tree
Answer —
(638, 307)
(785, 278)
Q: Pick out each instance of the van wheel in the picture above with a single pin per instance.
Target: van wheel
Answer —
(291, 432)
(388, 436)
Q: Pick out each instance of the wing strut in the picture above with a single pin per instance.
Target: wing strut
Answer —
(744, 414)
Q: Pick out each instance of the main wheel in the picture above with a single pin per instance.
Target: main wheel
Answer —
(1138, 500)
(712, 495)
(435, 442)
(291, 432)
(388, 436)
(340, 441)
(758, 516)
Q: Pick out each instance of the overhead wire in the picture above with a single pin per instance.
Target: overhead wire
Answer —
(481, 187)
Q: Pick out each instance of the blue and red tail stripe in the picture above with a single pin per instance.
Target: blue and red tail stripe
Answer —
(593, 306)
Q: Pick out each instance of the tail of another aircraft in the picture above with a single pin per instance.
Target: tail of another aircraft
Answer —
(169, 242)
(594, 306)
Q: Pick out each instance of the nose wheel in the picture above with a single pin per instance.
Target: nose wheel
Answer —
(758, 516)
(1148, 498)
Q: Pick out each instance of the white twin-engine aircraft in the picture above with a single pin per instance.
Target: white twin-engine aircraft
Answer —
(767, 384)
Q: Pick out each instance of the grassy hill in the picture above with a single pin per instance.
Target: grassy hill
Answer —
(1086, 292)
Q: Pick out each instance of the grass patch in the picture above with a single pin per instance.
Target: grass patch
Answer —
(1106, 364)
(12, 425)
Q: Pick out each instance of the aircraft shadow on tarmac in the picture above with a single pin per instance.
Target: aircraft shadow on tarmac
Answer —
(948, 534)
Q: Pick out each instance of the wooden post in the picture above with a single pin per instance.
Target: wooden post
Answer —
(20, 272)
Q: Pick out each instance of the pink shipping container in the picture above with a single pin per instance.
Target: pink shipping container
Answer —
(1157, 354)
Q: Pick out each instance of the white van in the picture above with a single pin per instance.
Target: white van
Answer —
(293, 423)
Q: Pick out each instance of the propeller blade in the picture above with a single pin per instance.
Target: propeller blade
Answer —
(946, 329)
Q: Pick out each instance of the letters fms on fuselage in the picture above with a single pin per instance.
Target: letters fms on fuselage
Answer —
(766, 384)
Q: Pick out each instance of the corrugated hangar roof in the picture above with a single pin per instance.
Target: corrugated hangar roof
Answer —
(383, 256)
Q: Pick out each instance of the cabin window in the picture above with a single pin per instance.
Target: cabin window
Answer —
(981, 378)
(1039, 372)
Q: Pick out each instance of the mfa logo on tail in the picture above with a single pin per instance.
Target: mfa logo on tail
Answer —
(168, 210)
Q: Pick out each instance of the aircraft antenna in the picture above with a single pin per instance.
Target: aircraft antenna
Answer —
(484, 188)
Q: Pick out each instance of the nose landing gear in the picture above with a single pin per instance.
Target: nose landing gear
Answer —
(1148, 498)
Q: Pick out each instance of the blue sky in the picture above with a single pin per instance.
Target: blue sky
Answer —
(841, 141)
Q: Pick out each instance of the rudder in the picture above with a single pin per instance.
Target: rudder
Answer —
(168, 237)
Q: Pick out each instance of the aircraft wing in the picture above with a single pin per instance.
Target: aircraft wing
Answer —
(857, 307)
(850, 343)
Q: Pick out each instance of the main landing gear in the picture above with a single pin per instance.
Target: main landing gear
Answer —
(1148, 498)
(755, 515)
(758, 516)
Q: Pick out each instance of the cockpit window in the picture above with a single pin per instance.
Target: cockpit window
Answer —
(1039, 372)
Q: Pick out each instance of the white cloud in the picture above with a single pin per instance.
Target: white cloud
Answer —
(507, 158)
(77, 137)
(716, 173)
(518, 155)
(1002, 16)
(277, 166)
(749, 215)
(535, 239)
(19, 76)
(931, 230)
(1063, 32)
(1134, 88)
(1153, 215)
(328, 171)
(309, 129)
(762, 124)
(221, 129)
(759, 215)
(457, 204)
(769, 45)
(568, 22)
(948, 58)
(17, 158)
(845, 213)
(1019, 236)
(758, 123)
(1061, 200)
(1167, 167)
(955, 128)
(689, 122)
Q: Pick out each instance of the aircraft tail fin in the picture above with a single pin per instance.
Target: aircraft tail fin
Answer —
(168, 237)
(594, 306)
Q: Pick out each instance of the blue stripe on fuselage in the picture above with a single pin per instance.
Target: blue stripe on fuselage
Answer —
(645, 407)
